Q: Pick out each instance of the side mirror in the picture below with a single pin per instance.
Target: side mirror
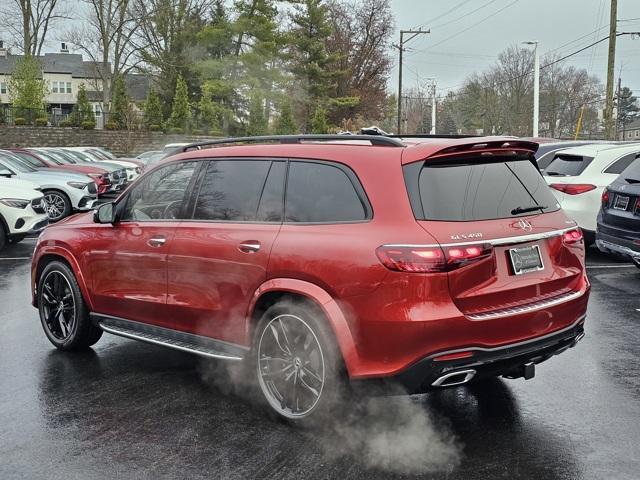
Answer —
(6, 173)
(104, 214)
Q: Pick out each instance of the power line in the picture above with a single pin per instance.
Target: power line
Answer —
(470, 26)
(461, 4)
(466, 14)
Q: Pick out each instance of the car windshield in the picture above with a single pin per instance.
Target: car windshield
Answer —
(78, 156)
(15, 163)
(29, 159)
(98, 154)
(631, 174)
(50, 158)
(65, 155)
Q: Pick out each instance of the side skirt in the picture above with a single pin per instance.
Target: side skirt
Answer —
(186, 342)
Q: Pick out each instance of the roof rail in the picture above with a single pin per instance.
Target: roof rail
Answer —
(376, 140)
(431, 136)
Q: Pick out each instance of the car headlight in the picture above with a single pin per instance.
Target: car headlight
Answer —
(15, 202)
(96, 176)
(138, 170)
(79, 185)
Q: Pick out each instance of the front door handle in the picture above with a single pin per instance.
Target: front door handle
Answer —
(250, 246)
(156, 241)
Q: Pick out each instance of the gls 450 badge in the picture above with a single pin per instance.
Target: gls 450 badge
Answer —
(466, 236)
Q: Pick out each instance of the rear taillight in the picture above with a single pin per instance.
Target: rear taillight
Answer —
(572, 236)
(637, 209)
(605, 198)
(429, 259)
(573, 188)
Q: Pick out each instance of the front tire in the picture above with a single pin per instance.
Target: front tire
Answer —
(296, 360)
(63, 313)
(58, 205)
(3, 237)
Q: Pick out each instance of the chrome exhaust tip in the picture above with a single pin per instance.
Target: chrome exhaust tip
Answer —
(454, 378)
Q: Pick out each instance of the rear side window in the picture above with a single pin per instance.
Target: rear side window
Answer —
(619, 165)
(477, 190)
(323, 193)
(567, 165)
(231, 191)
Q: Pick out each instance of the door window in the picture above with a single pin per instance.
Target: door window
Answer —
(241, 191)
(323, 193)
(159, 196)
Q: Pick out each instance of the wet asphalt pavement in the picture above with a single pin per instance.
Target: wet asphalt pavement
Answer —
(132, 410)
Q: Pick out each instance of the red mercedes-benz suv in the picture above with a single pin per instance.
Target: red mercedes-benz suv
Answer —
(321, 260)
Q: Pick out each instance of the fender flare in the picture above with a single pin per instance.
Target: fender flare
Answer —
(325, 302)
(63, 252)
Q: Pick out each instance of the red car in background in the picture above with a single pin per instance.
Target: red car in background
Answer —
(41, 161)
(325, 260)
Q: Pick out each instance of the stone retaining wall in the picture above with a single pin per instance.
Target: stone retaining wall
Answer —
(119, 142)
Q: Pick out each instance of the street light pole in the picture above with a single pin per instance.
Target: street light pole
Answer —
(536, 85)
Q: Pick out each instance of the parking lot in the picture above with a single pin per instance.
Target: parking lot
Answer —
(132, 410)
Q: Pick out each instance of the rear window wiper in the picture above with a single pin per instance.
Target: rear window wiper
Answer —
(555, 174)
(532, 208)
(632, 180)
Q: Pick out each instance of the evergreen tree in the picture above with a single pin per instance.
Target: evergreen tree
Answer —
(257, 121)
(152, 110)
(210, 113)
(311, 63)
(82, 114)
(119, 103)
(286, 124)
(26, 88)
(628, 109)
(180, 111)
(319, 122)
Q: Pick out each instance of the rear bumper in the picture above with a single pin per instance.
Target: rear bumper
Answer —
(506, 360)
(622, 246)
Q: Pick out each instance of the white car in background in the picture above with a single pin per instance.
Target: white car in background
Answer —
(579, 175)
(64, 192)
(133, 167)
(22, 209)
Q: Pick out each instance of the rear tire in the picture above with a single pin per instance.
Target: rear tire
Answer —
(296, 361)
(63, 312)
(16, 239)
(589, 238)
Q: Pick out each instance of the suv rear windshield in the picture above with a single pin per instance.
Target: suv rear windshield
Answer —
(632, 173)
(477, 190)
(567, 165)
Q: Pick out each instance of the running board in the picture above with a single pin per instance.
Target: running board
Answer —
(186, 342)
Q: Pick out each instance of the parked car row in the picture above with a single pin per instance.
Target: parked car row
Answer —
(598, 185)
(67, 179)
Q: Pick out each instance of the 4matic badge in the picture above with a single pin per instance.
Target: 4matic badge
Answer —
(466, 236)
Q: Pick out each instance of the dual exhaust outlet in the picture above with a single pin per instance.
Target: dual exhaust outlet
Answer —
(460, 377)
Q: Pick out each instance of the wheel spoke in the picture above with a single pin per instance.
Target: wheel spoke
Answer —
(311, 373)
(276, 336)
(315, 392)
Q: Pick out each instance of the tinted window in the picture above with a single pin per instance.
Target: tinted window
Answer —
(481, 191)
(321, 193)
(159, 196)
(231, 190)
(619, 165)
(271, 202)
(567, 165)
(546, 159)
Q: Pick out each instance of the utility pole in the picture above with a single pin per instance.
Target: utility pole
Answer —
(433, 107)
(400, 46)
(536, 86)
(608, 108)
(618, 91)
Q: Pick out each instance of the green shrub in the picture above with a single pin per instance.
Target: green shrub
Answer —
(20, 121)
(66, 123)
(176, 130)
(155, 128)
(88, 125)
(215, 133)
(42, 122)
(111, 126)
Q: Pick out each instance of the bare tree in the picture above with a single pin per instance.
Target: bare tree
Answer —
(30, 21)
(106, 38)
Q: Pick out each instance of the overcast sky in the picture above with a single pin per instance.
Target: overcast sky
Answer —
(451, 52)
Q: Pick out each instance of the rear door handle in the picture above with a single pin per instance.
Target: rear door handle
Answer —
(250, 246)
(156, 241)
